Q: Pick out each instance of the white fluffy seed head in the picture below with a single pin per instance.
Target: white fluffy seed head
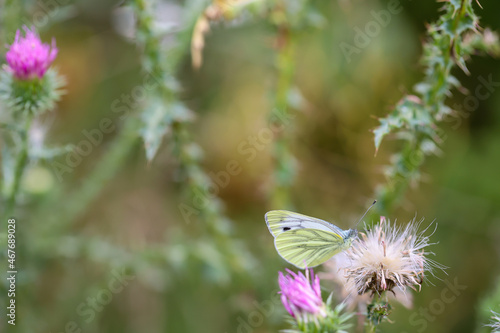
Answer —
(385, 258)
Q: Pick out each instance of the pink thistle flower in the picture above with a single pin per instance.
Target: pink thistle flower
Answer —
(28, 57)
(300, 295)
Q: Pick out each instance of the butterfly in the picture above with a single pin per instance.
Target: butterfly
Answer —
(306, 241)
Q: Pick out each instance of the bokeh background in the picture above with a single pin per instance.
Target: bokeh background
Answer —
(133, 215)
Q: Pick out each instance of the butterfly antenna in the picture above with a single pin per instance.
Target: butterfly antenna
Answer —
(373, 204)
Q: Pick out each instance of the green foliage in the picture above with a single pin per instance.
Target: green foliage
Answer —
(24, 99)
(163, 114)
(337, 320)
(290, 20)
(378, 311)
(156, 122)
(202, 273)
(31, 97)
(21, 142)
(157, 114)
(451, 41)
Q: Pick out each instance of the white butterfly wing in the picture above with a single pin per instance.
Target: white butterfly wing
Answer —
(309, 247)
(279, 221)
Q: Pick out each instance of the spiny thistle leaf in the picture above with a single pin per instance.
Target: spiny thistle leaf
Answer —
(380, 132)
(48, 153)
(155, 126)
(157, 118)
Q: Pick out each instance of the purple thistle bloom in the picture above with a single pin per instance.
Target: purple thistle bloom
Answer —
(28, 57)
(300, 295)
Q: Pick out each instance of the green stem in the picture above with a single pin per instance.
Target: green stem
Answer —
(461, 14)
(10, 14)
(408, 162)
(284, 168)
(403, 170)
(19, 167)
(125, 140)
(370, 327)
(377, 311)
(197, 181)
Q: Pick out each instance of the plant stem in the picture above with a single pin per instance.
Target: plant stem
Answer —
(370, 327)
(196, 179)
(121, 146)
(407, 163)
(284, 167)
(19, 167)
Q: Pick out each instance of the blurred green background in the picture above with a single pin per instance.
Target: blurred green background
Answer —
(137, 210)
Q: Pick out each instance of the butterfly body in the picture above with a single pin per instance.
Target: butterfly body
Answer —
(306, 241)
